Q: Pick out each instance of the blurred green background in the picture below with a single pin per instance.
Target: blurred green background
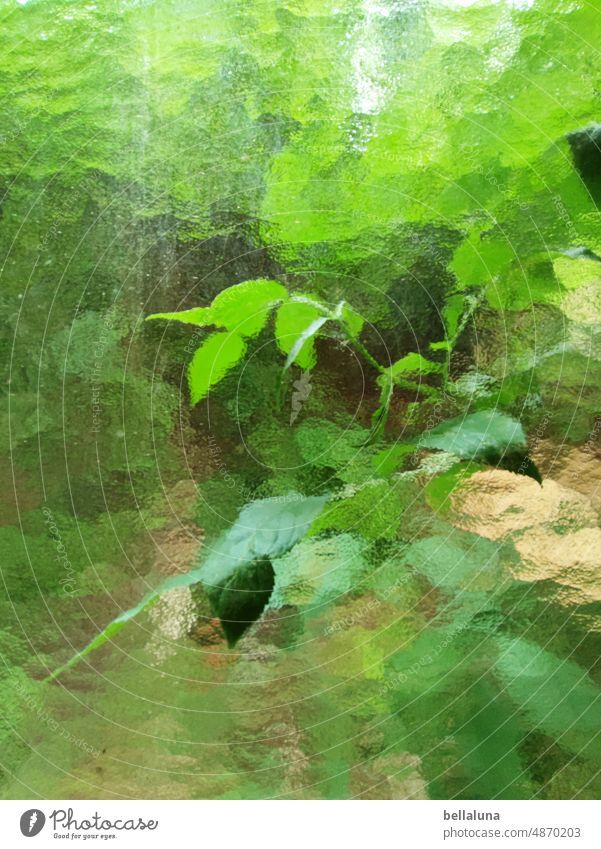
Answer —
(440, 637)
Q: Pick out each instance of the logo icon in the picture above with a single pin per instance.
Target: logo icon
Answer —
(32, 822)
(302, 388)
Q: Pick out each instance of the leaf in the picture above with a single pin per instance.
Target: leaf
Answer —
(352, 320)
(409, 364)
(452, 313)
(292, 321)
(245, 307)
(241, 599)
(395, 374)
(460, 562)
(200, 316)
(380, 416)
(440, 346)
(216, 356)
(236, 574)
(489, 436)
(319, 570)
(556, 695)
(477, 435)
(414, 364)
(307, 334)
(264, 528)
(457, 311)
(106, 635)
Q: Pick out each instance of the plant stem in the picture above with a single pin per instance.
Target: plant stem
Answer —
(361, 349)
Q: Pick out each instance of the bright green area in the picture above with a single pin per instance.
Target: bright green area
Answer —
(409, 193)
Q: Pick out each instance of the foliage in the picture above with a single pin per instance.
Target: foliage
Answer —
(238, 573)
(393, 206)
(243, 309)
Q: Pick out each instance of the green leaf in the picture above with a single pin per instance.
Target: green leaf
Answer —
(245, 308)
(241, 598)
(318, 571)
(200, 316)
(440, 346)
(309, 333)
(480, 435)
(452, 313)
(460, 562)
(216, 356)
(293, 321)
(106, 635)
(352, 320)
(236, 574)
(414, 364)
(264, 528)
(410, 364)
(556, 695)
(380, 416)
